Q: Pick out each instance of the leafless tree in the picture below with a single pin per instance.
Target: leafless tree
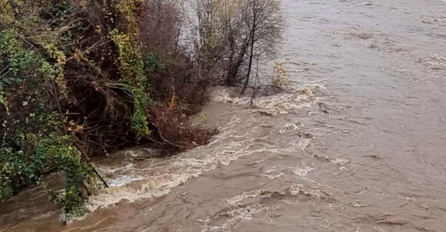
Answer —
(264, 23)
(160, 25)
(235, 32)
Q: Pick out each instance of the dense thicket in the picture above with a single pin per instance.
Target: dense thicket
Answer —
(83, 77)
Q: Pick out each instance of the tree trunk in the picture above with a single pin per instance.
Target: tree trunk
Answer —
(251, 56)
(235, 65)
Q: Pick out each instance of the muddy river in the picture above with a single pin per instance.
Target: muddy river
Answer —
(358, 144)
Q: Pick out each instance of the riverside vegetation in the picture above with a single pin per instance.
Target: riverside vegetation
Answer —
(83, 78)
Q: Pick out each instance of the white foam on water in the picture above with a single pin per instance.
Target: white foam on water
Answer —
(312, 192)
(159, 178)
(123, 180)
(135, 181)
(273, 174)
(283, 103)
(290, 127)
(302, 171)
(239, 198)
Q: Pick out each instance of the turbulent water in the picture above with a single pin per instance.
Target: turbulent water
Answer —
(358, 143)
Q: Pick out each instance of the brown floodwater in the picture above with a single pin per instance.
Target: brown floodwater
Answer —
(357, 144)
